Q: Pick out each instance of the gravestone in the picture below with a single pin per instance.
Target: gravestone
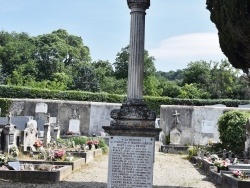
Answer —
(29, 135)
(56, 133)
(175, 132)
(74, 122)
(175, 136)
(135, 157)
(15, 165)
(47, 131)
(74, 126)
(10, 136)
(18, 121)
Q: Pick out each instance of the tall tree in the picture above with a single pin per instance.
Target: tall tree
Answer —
(232, 19)
(15, 49)
(121, 64)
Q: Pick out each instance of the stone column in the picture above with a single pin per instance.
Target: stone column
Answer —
(137, 38)
(132, 132)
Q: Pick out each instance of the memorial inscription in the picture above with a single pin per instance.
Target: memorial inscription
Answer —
(74, 125)
(11, 139)
(131, 162)
(207, 126)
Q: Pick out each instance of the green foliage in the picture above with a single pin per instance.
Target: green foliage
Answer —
(231, 18)
(231, 127)
(168, 139)
(153, 103)
(103, 145)
(79, 140)
(190, 91)
(192, 151)
(5, 106)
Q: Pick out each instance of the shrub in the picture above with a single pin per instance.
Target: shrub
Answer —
(79, 140)
(192, 151)
(231, 127)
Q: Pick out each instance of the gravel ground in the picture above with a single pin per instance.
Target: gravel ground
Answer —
(170, 171)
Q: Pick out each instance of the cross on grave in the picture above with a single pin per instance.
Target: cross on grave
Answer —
(9, 119)
(74, 114)
(176, 118)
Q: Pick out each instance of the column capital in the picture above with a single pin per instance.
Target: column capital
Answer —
(139, 4)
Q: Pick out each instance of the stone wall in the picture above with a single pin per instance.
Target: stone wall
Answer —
(92, 115)
(197, 124)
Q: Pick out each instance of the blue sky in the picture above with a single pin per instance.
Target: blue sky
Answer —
(177, 31)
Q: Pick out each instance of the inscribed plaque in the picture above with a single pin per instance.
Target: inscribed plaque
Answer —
(207, 126)
(131, 162)
(41, 108)
(11, 139)
(74, 125)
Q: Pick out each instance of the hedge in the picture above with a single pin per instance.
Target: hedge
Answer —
(154, 103)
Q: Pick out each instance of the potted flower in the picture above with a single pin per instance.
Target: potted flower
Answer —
(14, 151)
(237, 173)
(89, 143)
(221, 164)
(38, 144)
(3, 160)
(59, 154)
(96, 143)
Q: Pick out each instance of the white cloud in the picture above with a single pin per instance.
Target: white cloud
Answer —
(176, 52)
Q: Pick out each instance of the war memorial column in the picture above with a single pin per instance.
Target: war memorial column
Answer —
(132, 131)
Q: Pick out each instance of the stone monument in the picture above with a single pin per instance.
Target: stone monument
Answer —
(132, 131)
(175, 132)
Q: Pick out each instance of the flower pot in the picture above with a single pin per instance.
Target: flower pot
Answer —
(96, 146)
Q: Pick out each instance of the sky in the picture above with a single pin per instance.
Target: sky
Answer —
(177, 31)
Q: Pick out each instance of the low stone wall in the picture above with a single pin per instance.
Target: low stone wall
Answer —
(92, 115)
(37, 176)
(75, 165)
(89, 155)
(197, 124)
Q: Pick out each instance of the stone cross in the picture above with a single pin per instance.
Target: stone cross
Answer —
(176, 118)
(74, 114)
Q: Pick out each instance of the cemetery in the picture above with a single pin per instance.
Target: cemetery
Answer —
(29, 146)
(33, 148)
(44, 141)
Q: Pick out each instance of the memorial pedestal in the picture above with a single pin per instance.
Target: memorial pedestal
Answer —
(131, 146)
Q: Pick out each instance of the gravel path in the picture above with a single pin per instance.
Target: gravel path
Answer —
(170, 171)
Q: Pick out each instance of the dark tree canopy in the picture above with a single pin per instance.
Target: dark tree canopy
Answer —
(232, 19)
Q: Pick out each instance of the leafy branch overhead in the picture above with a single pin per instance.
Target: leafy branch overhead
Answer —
(232, 19)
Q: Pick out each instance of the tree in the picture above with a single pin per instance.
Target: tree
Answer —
(121, 64)
(85, 79)
(2, 76)
(103, 69)
(190, 91)
(198, 73)
(15, 50)
(172, 75)
(232, 19)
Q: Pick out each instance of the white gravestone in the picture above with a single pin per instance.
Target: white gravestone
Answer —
(131, 162)
(207, 126)
(74, 125)
(41, 108)
(29, 135)
(175, 136)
